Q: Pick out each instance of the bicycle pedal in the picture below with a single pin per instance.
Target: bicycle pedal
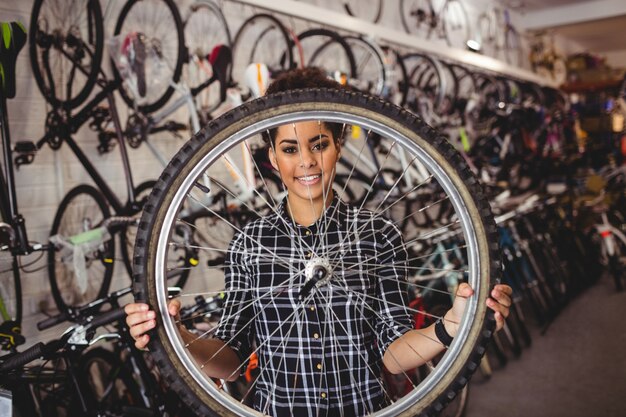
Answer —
(107, 141)
(25, 151)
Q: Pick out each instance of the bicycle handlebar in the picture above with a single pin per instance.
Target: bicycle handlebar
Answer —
(53, 321)
(20, 359)
(107, 318)
(80, 313)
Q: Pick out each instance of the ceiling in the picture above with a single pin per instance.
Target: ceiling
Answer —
(596, 26)
(603, 35)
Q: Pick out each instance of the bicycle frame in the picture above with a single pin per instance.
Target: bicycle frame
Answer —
(78, 120)
(8, 196)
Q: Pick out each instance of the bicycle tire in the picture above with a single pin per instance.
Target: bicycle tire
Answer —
(205, 27)
(455, 26)
(87, 25)
(427, 79)
(112, 386)
(374, 74)
(159, 34)
(183, 177)
(270, 44)
(127, 237)
(87, 203)
(399, 89)
(421, 11)
(346, 65)
(353, 9)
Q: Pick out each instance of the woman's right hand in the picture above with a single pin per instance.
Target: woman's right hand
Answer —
(141, 319)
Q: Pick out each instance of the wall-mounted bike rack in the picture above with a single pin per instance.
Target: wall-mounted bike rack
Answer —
(344, 22)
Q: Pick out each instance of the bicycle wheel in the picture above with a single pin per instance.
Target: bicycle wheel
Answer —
(455, 26)
(326, 49)
(81, 211)
(184, 257)
(10, 288)
(261, 39)
(418, 17)
(205, 28)
(489, 33)
(162, 28)
(366, 10)
(427, 87)
(184, 183)
(111, 384)
(65, 45)
(371, 70)
(513, 52)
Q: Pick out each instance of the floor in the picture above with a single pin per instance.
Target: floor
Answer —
(574, 370)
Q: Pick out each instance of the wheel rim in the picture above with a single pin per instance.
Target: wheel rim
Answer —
(68, 39)
(81, 214)
(468, 329)
(160, 27)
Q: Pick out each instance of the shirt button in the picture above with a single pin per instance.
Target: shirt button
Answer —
(312, 308)
(308, 233)
(308, 255)
(323, 395)
(319, 366)
(316, 336)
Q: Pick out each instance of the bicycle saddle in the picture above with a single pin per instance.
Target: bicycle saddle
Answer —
(221, 58)
(13, 39)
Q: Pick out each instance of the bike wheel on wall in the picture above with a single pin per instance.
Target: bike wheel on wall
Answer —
(184, 184)
(427, 87)
(329, 51)
(366, 10)
(371, 71)
(65, 45)
(185, 259)
(77, 222)
(417, 17)
(161, 29)
(456, 28)
(205, 28)
(261, 39)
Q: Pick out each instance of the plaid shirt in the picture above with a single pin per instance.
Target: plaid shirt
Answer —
(322, 355)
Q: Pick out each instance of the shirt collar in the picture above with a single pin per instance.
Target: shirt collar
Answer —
(334, 214)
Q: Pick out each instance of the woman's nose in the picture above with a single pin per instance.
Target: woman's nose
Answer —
(308, 159)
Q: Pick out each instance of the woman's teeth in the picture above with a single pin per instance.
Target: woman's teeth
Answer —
(309, 178)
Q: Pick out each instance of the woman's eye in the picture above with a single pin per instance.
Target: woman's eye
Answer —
(320, 145)
(290, 149)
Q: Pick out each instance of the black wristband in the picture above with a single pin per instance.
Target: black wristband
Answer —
(442, 333)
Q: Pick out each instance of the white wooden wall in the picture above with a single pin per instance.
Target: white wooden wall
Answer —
(42, 185)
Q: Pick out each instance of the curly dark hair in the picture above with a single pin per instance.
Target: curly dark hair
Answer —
(310, 77)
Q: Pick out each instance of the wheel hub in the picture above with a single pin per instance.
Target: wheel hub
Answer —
(317, 273)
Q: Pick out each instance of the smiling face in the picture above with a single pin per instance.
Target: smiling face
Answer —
(305, 155)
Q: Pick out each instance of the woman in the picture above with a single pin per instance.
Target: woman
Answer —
(326, 327)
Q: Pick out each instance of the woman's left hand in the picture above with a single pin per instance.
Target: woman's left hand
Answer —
(499, 302)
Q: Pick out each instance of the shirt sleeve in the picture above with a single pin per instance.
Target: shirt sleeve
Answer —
(393, 318)
(236, 325)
